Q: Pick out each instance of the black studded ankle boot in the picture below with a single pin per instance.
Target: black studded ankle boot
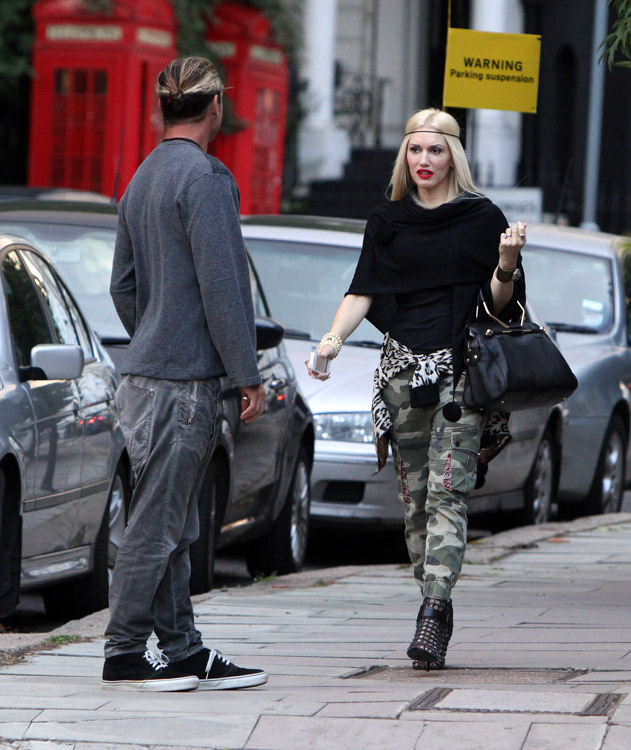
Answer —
(434, 626)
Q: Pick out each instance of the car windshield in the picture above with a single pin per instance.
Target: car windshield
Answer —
(304, 284)
(83, 257)
(570, 291)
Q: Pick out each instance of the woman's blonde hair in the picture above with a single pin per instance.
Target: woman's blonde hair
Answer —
(459, 179)
(186, 87)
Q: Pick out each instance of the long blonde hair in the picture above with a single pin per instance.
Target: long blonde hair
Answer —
(459, 179)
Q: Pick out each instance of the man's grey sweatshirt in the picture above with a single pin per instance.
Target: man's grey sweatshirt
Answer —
(180, 278)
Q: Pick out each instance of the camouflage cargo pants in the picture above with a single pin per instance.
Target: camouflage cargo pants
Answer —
(436, 465)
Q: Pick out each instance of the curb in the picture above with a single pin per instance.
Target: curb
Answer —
(493, 548)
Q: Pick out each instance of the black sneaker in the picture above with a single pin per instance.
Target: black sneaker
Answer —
(148, 671)
(215, 672)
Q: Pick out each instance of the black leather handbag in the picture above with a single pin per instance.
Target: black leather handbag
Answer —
(513, 366)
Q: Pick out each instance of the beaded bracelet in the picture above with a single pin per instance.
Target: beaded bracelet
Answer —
(332, 339)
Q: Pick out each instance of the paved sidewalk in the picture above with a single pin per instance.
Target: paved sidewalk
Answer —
(540, 658)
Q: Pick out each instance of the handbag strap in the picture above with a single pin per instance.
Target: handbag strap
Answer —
(497, 320)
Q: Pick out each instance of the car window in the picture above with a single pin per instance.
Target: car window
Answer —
(64, 299)
(79, 325)
(572, 289)
(304, 284)
(53, 298)
(29, 325)
(83, 257)
(260, 308)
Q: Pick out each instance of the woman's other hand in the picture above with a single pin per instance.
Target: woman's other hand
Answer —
(512, 241)
(326, 351)
(348, 316)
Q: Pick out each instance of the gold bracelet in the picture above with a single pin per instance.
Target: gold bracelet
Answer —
(332, 339)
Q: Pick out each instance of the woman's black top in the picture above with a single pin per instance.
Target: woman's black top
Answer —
(424, 269)
(424, 319)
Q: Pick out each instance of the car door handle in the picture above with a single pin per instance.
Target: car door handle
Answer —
(278, 384)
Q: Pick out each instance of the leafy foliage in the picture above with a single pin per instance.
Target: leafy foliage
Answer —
(619, 40)
(284, 19)
(192, 16)
(16, 42)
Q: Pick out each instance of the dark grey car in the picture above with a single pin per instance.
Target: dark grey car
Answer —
(63, 465)
(257, 490)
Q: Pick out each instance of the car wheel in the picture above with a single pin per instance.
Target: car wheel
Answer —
(212, 498)
(79, 597)
(605, 494)
(283, 550)
(10, 550)
(540, 490)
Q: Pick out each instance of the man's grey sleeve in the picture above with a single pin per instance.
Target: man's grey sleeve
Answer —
(123, 281)
(211, 218)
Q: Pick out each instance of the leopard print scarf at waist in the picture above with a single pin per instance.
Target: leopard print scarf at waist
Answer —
(396, 357)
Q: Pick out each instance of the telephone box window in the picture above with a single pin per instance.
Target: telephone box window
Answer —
(78, 128)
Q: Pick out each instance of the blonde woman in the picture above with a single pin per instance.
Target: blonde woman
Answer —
(429, 251)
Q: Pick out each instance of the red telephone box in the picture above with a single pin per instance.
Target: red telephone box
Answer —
(94, 113)
(256, 70)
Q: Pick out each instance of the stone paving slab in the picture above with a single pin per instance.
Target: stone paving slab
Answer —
(623, 715)
(521, 719)
(208, 731)
(617, 738)
(555, 736)
(603, 676)
(275, 733)
(516, 700)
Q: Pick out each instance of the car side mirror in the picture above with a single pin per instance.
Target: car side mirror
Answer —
(54, 362)
(269, 333)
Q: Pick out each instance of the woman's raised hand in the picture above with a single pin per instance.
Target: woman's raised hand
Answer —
(512, 241)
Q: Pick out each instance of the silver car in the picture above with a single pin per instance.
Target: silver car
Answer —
(574, 453)
(580, 284)
(63, 467)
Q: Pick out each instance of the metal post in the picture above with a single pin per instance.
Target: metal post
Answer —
(375, 112)
(594, 119)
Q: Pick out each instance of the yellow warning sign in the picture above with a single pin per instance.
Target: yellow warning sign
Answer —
(487, 70)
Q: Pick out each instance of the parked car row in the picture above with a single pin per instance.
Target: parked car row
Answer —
(64, 473)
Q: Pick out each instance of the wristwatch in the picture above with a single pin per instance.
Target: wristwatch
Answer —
(505, 276)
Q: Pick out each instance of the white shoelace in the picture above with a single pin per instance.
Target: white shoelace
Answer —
(156, 660)
(214, 654)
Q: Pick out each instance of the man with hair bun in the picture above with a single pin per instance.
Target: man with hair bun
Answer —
(180, 283)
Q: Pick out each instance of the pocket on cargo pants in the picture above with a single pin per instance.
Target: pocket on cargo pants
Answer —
(461, 464)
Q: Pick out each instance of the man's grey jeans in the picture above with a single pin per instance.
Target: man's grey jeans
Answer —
(170, 428)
